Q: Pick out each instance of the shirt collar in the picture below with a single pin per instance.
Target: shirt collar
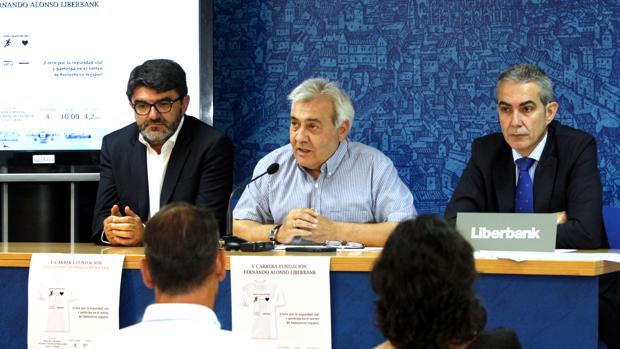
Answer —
(172, 140)
(334, 161)
(180, 311)
(536, 153)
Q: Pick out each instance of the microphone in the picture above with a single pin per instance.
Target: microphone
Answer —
(231, 241)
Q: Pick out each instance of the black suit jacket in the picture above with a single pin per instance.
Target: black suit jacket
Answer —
(496, 339)
(566, 179)
(199, 171)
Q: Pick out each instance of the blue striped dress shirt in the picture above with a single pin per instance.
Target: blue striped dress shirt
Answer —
(358, 184)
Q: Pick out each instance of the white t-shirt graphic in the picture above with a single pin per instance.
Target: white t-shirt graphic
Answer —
(263, 297)
(58, 299)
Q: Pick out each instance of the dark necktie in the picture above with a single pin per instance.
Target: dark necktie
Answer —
(524, 195)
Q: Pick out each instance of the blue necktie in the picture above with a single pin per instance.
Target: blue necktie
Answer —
(524, 195)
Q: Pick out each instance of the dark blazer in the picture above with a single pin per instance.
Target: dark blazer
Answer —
(498, 338)
(199, 171)
(566, 179)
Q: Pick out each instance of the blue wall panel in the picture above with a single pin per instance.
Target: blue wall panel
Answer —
(421, 75)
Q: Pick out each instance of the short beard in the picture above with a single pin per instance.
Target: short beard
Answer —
(159, 137)
(156, 138)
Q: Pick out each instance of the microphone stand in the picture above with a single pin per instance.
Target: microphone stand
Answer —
(231, 242)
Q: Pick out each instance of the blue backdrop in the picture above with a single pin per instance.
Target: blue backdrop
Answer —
(421, 75)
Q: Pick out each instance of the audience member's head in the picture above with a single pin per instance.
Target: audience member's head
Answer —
(423, 280)
(181, 247)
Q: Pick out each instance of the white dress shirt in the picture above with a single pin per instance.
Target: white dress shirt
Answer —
(156, 165)
(535, 154)
(174, 325)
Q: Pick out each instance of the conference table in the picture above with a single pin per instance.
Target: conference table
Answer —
(549, 303)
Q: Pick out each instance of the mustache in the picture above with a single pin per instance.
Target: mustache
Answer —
(158, 120)
(149, 122)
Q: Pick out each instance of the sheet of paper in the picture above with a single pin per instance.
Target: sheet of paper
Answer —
(72, 298)
(284, 246)
(282, 302)
(559, 255)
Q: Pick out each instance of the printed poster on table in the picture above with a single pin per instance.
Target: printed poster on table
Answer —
(281, 302)
(72, 298)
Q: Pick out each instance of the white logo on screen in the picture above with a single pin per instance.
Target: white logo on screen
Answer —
(44, 159)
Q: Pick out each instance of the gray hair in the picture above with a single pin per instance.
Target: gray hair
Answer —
(524, 73)
(314, 87)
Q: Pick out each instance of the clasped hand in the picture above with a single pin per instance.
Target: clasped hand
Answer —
(123, 230)
(307, 223)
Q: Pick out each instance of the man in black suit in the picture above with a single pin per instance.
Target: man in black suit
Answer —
(165, 156)
(564, 173)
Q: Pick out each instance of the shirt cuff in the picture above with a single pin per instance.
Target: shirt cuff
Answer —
(103, 240)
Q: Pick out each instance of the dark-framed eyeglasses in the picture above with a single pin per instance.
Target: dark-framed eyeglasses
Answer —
(163, 106)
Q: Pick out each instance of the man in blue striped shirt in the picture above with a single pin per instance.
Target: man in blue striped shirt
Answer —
(328, 187)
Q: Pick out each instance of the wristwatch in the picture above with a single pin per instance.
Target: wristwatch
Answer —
(274, 232)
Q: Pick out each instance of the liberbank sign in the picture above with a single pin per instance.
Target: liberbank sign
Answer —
(508, 231)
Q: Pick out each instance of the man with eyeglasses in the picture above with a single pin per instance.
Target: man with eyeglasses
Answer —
(165, 156)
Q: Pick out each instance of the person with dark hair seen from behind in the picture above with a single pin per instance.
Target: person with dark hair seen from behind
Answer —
(184, 264)
(165, 156)
(424, 284)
